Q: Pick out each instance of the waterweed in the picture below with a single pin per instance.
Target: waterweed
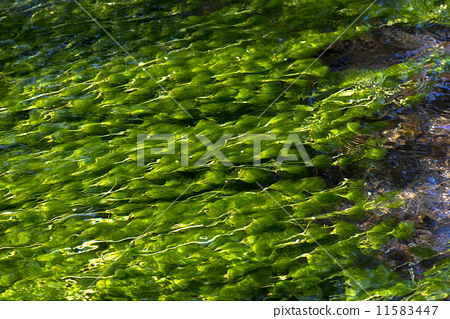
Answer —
(73, 199)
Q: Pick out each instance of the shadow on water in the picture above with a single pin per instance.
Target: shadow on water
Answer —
(416, 165)
(386, 46)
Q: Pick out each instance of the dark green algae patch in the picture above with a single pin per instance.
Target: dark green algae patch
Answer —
(75, 203)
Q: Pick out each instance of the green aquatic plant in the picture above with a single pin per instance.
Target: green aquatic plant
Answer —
(81, 220)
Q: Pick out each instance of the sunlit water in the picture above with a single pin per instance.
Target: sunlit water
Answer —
(81, 220)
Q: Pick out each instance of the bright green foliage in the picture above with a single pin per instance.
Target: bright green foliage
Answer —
(403, 230)
(80, 220)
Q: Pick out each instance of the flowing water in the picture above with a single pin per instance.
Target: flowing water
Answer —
(80, 219)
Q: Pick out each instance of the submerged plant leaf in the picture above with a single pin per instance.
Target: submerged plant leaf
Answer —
(80, 219)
